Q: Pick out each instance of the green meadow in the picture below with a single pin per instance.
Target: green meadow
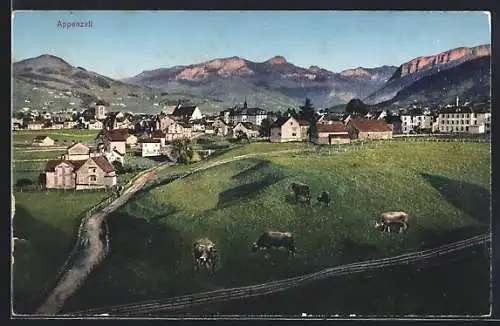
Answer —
(445, 188)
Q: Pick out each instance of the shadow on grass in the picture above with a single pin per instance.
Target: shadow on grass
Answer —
(261, 164)
(144, 259)
(248, 190)
(470, 198)
(37, 261)
(459, 287)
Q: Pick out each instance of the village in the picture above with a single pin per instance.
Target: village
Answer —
(89, 166)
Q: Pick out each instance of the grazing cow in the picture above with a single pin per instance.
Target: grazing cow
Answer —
(392, 227)
(324, 198)
(275, 239)
(394, 217)
(301, 191)
(204, 254)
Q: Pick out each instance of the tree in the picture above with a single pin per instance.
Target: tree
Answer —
(307, 111)
(240, 136)
(290, 112)
(265, 128)
(356, 107)
(41, 180)
(22, 183)
(118, 167)
(182, 150)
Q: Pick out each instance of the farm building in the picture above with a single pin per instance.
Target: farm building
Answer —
(368, 129)
(43, 141)
(334, 133)
(77, 151)
(247, 128)
(92, 173)
(286, 129)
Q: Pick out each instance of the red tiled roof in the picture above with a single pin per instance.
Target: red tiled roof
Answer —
(366, 125)
(149, 141)
(103, 163)
(157, 134)
(334, 127)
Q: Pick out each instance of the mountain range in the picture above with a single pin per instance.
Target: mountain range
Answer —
(275, 84)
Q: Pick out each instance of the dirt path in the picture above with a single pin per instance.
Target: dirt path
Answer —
(76, 275)
(71, 280)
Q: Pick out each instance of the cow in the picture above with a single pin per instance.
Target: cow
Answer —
(275, 239)
(204, 254)
(394, 217)
(392, 227)
(324, 198)
(301, 191)
(389, 221)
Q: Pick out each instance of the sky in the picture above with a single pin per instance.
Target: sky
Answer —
(121, 44)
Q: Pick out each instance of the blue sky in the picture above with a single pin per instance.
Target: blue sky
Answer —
(122, 44)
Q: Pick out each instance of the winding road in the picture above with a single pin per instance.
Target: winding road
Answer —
(73, 276)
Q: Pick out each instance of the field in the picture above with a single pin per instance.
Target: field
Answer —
(48, 221)
(63, 137)
(443, 186)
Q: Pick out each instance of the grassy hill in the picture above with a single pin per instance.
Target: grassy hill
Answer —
(443, 186)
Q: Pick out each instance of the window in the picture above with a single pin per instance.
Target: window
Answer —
(294, 134)
(291, 123)
(92, 169)
(466, 128)
(475, 122)
(461, 128)
(92, 178)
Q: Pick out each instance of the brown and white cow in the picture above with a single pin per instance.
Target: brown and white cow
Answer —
(389, 221)
(204, 254)
(275, 239)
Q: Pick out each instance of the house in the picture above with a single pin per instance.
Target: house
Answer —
(187, 113)
(159, 135)
(91, 173)
(394, 122)
(334, 133)
(221, 128)
(244, 114)
(178, 130)
(304, 129)
(150, 147)
(114, 139)
(17, 126)
(95, 125)
(285, 129)
(43, 141)
(100, 110)
(57, 125)
(416, 120)
(163, 121)
(70, 124)
(131, 140)
(462, 119)
(369, 129)
(209, 130)
(114, 156)
(35, 125)
(76, 152)
(248, 128)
